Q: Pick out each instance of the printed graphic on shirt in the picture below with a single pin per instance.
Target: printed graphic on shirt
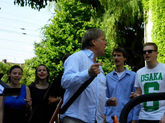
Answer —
(151, 85)
(151, 77)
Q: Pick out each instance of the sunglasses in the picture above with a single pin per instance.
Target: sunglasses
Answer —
(148, 51)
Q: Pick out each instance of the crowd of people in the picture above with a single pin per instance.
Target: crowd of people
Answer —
(103, 98)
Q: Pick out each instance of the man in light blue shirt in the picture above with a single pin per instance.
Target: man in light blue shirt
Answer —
(78, 68)
(120, 84)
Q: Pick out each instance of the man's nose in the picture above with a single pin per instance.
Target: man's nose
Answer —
(147, 52)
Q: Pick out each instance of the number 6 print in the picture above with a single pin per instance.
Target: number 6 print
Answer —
(155, 87)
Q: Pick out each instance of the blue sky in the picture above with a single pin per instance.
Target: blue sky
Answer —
(19, 29)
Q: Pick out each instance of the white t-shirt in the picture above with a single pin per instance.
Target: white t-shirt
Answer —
(120, 74)
(151, 81)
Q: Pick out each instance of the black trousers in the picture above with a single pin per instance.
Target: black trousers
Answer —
(149, 121)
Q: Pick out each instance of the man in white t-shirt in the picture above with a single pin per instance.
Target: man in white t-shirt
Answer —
(150, 79)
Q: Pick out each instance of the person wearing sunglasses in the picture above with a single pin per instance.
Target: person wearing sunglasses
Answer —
(150, 79)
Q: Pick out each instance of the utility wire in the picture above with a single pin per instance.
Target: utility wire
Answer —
(9, 31)
(15, 55)
(15, 41)
(23, 17)
(14, 49)
(8, 19)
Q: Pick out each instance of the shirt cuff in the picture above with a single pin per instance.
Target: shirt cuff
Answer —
(106, 101)
(85, 75)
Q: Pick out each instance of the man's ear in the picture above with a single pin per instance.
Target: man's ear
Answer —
(93, 42)
(157, 53)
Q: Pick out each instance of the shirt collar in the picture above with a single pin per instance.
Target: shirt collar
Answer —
(126, 71)
(89, 53)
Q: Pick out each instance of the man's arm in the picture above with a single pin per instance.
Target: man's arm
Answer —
(137, 93)
(73, 76)
(162, 120)
(136, 109)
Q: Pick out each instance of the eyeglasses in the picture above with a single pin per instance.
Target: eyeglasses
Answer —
(148, 51)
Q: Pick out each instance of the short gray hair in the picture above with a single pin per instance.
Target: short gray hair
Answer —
(90, 35)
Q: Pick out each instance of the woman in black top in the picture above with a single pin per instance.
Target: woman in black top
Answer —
(42, 111)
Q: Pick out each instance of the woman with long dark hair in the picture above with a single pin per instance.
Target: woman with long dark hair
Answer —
(39, 89)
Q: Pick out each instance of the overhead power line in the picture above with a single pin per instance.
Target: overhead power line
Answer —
(16, 48)
(14, 55)
(14, 15)
(18, 21)
(15, 41)
(27, 34)
(19, 27)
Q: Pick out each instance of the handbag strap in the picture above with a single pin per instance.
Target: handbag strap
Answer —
(46, 93)
(76, 94)
(40, 103)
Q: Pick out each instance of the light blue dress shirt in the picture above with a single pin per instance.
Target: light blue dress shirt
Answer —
(90, 105)
(120, 88)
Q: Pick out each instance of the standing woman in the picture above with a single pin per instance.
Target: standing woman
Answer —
(16, 108)
(39, 89)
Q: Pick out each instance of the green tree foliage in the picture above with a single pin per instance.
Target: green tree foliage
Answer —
(29, 71)
(34, 4)
(39, 4)
(63, 35)
(157, 8)
(121, 20)
(123, 23)
(158, 32)
(4, 69)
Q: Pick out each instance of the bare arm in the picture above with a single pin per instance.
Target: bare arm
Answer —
(1, 109)
(53, 100)
(138, 93)
(162, 120)
(28, 101)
